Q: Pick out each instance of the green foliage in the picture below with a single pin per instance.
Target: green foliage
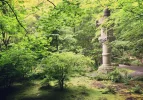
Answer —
(136, 62)
(35, 43)
(136, 89)
(66, 13)
(128, 25)
(101, 77)
(8, 24)
(124, 60)
(60, 66)
(115, 76)
(138, 49)
(64, 25)
(66, 40)
(15, 64)
(120, 75)
(110, 89)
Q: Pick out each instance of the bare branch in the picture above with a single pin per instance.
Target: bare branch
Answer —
(52, 3)
(16, 16)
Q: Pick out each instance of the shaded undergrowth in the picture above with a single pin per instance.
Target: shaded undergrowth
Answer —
(36, 92)
(78, 88)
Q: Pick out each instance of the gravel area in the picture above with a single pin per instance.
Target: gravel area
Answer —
(138, 70)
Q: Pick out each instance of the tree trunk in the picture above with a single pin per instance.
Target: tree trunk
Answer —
(61, 84)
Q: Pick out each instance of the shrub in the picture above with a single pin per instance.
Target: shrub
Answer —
(110, 89)
(15, 65)
(60, 66)
(137, 89)
(125, 60)
(115, 76)
(100, 77)
(136, 62)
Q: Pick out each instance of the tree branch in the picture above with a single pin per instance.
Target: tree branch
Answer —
(52, 3)
(16, 16)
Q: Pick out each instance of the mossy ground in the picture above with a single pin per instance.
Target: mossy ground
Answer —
(78, 88)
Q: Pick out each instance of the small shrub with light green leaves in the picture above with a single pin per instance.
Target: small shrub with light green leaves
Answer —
(60, 66)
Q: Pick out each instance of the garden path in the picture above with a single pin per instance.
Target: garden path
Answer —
(137, 70)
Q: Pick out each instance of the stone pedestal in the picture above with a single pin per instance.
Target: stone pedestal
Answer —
(105, 69)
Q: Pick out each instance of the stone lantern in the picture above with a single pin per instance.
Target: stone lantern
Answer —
(105, 38)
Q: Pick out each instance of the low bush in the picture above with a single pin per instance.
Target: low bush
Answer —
(136, 63)
(137, 89)
(60, 66)
(109, 89)
(120, 76)
(117, 76)
(101, 77)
